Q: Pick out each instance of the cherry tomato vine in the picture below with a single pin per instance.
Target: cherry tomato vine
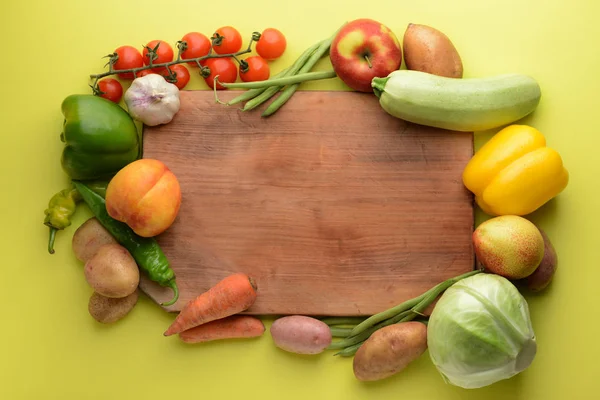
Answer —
(152, 52)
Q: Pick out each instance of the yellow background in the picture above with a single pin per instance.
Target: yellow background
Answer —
(50, 348)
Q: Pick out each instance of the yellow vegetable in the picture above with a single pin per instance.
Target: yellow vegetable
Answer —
(515, 173)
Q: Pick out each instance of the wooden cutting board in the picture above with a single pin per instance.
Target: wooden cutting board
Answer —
(332, 205)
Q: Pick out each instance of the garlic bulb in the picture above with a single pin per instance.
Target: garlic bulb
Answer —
(152, 100)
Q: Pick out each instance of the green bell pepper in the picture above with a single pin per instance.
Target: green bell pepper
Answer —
(100, 137)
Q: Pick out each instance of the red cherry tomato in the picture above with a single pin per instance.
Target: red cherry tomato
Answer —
(198, 45)
(111, 89)
(164, 54)
(129, 57)
(181, 74)
(224, 67)
(144, 73)
(258, 70)
(232, 40)
(271, 45)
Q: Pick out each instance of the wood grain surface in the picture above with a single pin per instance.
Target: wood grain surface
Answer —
(333, 206)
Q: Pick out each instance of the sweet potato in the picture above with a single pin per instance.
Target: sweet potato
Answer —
(301, 334)
(389, 350)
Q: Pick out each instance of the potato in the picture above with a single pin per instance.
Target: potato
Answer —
(112, 271)
(107, 310)
(300, 334)
(88, 238)
(389, 350)
(428, 50)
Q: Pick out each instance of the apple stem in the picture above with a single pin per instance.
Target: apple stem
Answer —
(368, 61)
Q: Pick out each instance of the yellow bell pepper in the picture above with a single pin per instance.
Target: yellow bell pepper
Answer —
(514, 173)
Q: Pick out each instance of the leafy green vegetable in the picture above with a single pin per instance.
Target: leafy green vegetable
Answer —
(480, 332)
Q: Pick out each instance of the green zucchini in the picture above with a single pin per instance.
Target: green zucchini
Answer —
(466, 105)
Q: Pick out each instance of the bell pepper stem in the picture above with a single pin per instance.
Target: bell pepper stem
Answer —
(173, 285)
(51, 240)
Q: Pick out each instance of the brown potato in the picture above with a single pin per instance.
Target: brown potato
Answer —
(389, 350)
(107, 310)
(89, 237)
(428, 50)
(112, 271)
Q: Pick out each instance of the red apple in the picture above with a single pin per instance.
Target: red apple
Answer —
(362, 50)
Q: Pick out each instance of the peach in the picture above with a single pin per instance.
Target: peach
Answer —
(509, 245)
(145, 195)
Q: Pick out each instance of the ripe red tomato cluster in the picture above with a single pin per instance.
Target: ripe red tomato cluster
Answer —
(228, 40)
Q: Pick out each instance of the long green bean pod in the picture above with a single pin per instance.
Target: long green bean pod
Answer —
(252, 93)
(364, 335)
(290, 90)
(271, 91)
(342, 320)
(387, 314)
(349, 351)
(339, 332)
(353, 341)
(286, 80)
(418, 303)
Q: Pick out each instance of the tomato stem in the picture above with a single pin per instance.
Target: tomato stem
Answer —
(216, 39)
(181, 47)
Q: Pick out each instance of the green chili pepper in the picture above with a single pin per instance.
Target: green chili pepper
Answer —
(145, 251)
(62, 206)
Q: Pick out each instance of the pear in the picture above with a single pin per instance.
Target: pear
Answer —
(509, 245)
(544, 273)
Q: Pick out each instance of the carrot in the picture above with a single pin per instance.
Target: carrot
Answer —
(232, 327)
(233, 294)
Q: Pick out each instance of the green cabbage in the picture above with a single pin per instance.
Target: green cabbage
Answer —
(480, 332)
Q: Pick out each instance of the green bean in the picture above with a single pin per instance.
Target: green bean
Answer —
(280, 101)
(287, 80)
(252, 93)
(268, 93)
(420, 302)
(349, 351)
(342, 320)
(364, 335)
(260, 99)
(339, 332)
(404, 316)
(382, 316)
(289, 91)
